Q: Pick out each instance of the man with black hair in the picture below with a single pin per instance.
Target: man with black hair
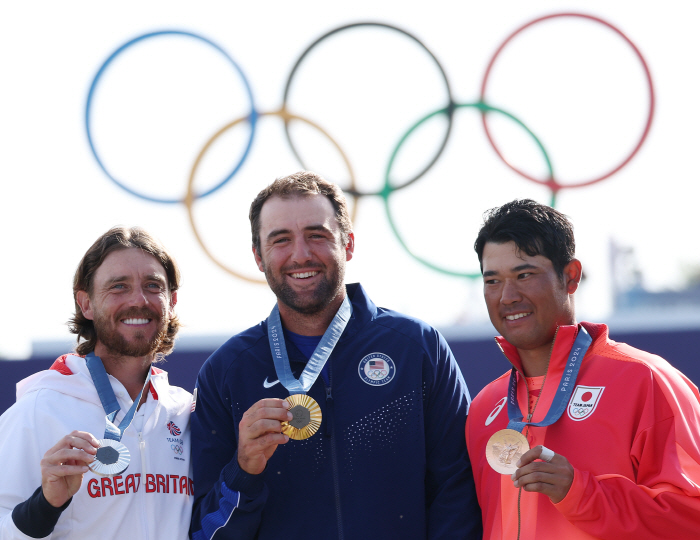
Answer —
(584, 437)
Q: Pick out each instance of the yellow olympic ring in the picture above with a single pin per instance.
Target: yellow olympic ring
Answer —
(190, 196)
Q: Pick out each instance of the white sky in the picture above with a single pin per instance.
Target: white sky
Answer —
(576, 84)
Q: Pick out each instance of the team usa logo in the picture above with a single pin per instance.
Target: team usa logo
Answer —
(584, 401)
(377, 369)
(173, 429)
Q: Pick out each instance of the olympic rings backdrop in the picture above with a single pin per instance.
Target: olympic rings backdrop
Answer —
(175, 119)
(553, 183)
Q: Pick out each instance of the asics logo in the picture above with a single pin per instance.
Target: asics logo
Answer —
(494, 413)
(269, 384)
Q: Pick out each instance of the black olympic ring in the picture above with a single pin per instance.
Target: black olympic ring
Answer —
(449, 107)
(386, 191)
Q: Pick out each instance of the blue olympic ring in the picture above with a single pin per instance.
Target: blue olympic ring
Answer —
(88, 108)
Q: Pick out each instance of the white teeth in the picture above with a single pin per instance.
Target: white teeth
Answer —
(516, 316)
(304, 275)
(136, 321)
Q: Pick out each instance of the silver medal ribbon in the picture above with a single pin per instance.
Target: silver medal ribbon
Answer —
(112, 457)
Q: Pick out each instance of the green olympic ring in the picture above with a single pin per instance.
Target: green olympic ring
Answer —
(388, 189)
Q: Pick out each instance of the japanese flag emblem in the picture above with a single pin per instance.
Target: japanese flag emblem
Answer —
(584, 401)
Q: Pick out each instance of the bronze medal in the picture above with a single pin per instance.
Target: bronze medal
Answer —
(307, 417)
(504, 449)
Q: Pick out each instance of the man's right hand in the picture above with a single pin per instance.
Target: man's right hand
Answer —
(63, 466)
(259, 433)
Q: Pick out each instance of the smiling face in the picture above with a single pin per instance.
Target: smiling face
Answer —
(526, 299)
(129, 304)
(302, 254)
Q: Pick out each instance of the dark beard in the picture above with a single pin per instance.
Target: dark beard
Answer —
(325, 293)
(117, 345)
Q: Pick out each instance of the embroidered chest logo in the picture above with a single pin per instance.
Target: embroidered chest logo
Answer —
(584, 401)
(498, 409)
(177, 445)
(377, 369)
(173, 429)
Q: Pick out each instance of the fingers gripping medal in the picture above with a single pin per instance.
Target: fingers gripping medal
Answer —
(305, 411)
(504, 449)
(112, 457)
(307, 417)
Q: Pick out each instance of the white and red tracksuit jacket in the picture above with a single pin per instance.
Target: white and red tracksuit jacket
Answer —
(151, 499)
(631, 430)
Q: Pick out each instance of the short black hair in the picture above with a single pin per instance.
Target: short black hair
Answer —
(536, 229)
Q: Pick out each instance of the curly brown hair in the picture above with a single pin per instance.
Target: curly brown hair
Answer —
(118, 238)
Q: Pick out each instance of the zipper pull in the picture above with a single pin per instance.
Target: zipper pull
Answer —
(329, 396)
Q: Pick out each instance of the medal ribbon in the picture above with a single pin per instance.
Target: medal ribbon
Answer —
(318, 359)
(109, 400)
(566, 386)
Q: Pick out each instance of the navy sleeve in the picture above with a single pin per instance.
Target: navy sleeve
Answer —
(226, 498)
(453, 509)
(36, 517)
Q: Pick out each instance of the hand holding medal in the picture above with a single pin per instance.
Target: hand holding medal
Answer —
(306, 417)
(112, 456)
(306, 413)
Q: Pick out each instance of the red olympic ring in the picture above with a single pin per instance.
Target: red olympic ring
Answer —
(552, 183)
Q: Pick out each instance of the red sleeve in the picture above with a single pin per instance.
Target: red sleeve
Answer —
(664, 500)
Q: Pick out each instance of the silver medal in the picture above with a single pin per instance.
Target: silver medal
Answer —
(112, 458)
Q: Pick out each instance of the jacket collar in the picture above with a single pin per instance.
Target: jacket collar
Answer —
(563, 341)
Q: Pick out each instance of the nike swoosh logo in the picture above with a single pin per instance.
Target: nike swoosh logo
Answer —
(270, 384)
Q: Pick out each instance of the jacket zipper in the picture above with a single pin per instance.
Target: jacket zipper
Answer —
(334, 460)
(144, 513)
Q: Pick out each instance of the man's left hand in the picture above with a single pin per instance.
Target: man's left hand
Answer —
(552, 478)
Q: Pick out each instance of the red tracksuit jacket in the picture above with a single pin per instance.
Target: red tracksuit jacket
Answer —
(631, 430)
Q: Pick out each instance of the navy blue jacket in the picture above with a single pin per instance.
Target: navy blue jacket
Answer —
(389, 460)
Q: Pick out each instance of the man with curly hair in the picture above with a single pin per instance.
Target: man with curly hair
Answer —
(102, 433)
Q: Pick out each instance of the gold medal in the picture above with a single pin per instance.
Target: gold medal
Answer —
(307, 417)
(504, 449)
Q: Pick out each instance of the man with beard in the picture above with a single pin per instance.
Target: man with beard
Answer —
(102, 433)
(372, 400)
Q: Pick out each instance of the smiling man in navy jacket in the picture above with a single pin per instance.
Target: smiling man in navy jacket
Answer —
(373, 401)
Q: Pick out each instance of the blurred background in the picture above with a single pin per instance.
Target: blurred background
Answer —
(108, 112)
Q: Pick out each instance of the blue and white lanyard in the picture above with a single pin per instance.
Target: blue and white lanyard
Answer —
(566, 387)
(109, 400)
(318, 359)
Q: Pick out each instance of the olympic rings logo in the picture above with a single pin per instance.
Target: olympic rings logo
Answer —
(177, 449)
(577, 411)
(448, 111)
(377, 373)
